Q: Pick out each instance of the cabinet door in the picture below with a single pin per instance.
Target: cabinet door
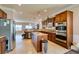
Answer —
(1, 14)
(0, 48)
(3, 46)
(63, 17)
(58, 18)
(53, 37)
(49, 37)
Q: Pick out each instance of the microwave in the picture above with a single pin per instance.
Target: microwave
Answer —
(60, 27)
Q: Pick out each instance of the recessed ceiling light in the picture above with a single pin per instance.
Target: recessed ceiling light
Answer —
(19, 4)
(20, 12)
(45, 10)
(39, 15)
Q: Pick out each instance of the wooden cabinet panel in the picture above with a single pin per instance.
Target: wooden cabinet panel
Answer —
(63, 16)
(2, 45)
(48, 20)
(3, 15)
(0, 48)
(51, 36)
(57, 19)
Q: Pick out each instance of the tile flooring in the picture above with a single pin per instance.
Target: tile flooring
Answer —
(24, 46)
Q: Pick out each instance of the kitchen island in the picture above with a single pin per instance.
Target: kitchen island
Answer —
(37, 38)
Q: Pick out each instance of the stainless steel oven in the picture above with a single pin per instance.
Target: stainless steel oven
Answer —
(61, 31)
(61, 27)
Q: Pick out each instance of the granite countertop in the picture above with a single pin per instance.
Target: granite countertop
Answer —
(40, 35)
(46, 30)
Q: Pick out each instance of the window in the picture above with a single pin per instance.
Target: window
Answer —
(18, 27)
(28, 27)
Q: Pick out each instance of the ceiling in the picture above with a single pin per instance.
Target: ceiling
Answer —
(34, 11)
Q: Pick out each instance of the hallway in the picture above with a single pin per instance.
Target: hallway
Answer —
(25, 47)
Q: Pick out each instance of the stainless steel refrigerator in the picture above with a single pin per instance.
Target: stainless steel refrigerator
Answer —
(7, 29)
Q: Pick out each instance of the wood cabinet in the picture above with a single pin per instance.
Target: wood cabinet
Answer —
(62, 17)
(3, 15)
(51, 36)
(2, 45)
(66, 16)
(57, 19)
(48, 20)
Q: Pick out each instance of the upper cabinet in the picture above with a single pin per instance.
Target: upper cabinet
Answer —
(61, 17)
(3, 15)
(47, 21)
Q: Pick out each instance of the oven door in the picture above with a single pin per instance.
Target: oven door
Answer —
(61, 37)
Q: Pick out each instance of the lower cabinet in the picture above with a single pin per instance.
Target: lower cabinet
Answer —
(51, 36)
(0, 48)
(2, 45)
